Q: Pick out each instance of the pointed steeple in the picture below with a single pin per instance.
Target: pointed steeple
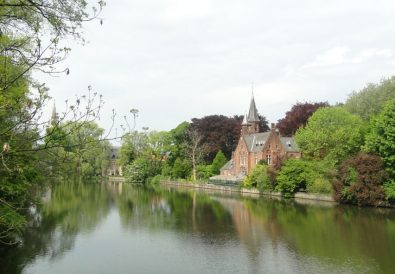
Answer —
(253, 112)
(244, 123)
(54, 116)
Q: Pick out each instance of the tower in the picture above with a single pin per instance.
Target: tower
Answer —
(54, 116)
(250, 123)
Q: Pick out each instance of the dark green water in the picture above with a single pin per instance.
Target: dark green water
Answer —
(104, 228)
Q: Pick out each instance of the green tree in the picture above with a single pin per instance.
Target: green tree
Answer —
(218, 162)
(303, 174)
(259, 178)
(181, 169)
(381, 141)
(127, 151)
(331, 133)
(142, 169)
(381, 137)
(370, 100)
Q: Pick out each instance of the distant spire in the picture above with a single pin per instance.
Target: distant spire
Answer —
(54, 116)
(253, 112)
(244, 123)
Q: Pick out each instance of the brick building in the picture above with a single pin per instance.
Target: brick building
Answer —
(254, 146)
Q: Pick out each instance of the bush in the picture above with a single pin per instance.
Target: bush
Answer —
(141, 170)
(389, 189)
(303, 175)
(204, 171)
(156, 179)
(259, 178)
(320, 185)
(360, 180)
(218, 162)
(181, 169)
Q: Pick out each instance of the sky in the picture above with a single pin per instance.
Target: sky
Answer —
(174, 60)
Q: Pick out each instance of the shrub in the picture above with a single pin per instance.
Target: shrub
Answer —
(320, 185)
(218, 162)
(181, 169)
(259, 178)
(301, 175)
(204, 171)
(142, 169)
(389, 189)
(360, 181)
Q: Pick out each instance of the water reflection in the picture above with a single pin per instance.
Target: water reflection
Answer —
(199, 232)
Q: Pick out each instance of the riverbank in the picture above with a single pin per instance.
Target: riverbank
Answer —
(248, 191)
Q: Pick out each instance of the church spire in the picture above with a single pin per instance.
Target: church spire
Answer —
(54, 116)
(253, 112)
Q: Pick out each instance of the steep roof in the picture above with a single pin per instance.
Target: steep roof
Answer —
(253, 112)
(256, 141)
(244, 120)
(228, 165)
(289, 144)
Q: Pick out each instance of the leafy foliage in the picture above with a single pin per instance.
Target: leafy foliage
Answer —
(331, 133)
(142, 169)
(381, 138)
(218, 133)
(218, 162)
(370, 101)
(259, 178)
(299, 174)
(360, 180)
(297, 117)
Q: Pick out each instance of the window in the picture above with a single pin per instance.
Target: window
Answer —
(256, 160)
(243, 160)
(269, 159)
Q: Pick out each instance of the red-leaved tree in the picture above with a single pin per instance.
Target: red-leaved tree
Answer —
(297, 117)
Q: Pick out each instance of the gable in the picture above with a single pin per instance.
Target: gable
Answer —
(289, 144)
(255, 142)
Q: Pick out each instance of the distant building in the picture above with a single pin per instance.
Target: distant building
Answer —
(255, 146)
(114, 169)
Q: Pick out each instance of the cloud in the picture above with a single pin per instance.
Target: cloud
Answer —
(342, 55)
(175, 10)
(334, 56)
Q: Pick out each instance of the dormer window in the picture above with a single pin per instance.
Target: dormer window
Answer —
(288, 143)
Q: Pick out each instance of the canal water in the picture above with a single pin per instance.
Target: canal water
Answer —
(120, 228)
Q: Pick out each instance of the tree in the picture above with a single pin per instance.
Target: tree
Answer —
(297, 117)
(217, 132)
(263, 123)
(381, 137)
(35, 30)
(218, 162)
(141, 169)
(381, 141)
(178, 138)
(31, 33)
(259, 178)
(127, 152)
(331, 133)
(181, 169)
(369, 101)
(302, 174)
(360, 181)
(196, 150)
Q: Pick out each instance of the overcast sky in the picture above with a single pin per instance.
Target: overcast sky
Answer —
(178, 59)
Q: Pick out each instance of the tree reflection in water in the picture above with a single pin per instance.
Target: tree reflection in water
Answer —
(273, 234)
